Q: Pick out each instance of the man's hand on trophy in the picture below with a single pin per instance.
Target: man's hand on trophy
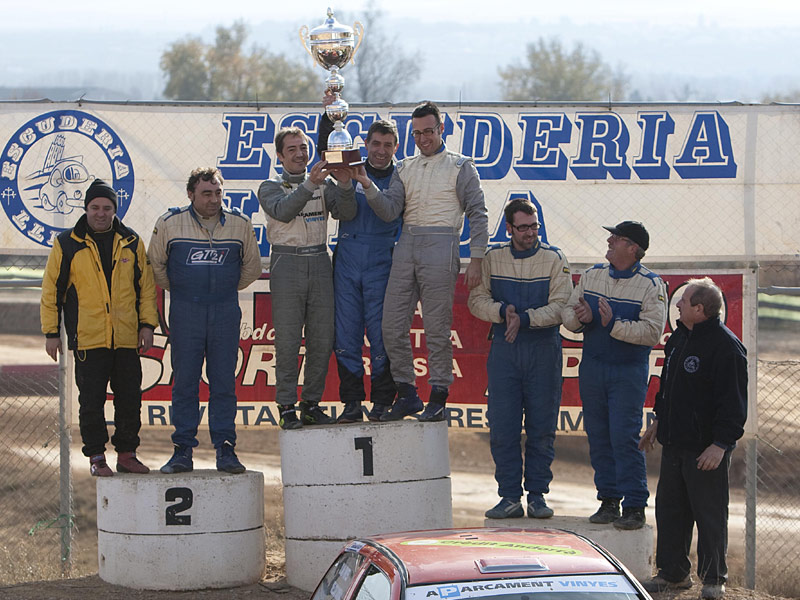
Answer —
(328, 98)
(343, 174)
(318, 172)
(360, 175)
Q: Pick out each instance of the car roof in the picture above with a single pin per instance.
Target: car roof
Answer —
(490, 553)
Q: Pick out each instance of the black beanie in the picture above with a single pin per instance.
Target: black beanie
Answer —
(100, 189)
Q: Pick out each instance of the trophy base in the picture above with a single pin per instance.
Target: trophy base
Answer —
(343, 158)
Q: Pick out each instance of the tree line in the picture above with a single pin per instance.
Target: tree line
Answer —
(230, 70)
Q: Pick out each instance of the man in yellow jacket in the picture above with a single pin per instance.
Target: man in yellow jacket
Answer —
(99, 278)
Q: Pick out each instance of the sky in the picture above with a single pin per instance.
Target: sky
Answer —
(192, 14)
(710, 50)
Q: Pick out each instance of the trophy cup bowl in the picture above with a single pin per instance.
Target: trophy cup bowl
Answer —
(332, 45)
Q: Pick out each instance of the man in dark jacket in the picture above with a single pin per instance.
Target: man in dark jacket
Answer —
(700, 412)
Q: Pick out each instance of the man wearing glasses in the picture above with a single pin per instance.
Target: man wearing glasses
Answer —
(432, 191)
(621, 309)
(525, 285)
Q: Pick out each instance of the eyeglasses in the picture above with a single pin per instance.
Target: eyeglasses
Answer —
(526, 228)
(428, 131)
(620, 238)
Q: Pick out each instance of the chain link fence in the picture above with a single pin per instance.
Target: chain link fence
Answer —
(35, 530)
(778, 443)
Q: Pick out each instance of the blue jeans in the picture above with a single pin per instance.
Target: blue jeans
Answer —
(198, 331)
(613, 398)
(524, 386)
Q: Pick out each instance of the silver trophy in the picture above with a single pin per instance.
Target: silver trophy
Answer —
(332, 45)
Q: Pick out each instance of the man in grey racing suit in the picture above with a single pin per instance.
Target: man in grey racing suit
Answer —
(297, 204)
(432, 190)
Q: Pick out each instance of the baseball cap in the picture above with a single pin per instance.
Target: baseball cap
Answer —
(633, 230)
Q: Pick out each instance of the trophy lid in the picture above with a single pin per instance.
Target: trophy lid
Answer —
(331, 29)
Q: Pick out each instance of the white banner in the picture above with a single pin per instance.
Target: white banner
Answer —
(712, 183)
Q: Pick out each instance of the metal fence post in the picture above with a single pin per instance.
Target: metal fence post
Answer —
(65, 437)
(751, 488)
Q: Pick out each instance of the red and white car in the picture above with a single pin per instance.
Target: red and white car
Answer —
(465, 564)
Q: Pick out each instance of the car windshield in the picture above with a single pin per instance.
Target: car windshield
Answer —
(569, 587)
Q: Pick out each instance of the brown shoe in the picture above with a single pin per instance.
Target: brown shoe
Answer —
(98, 466)
(128, 463)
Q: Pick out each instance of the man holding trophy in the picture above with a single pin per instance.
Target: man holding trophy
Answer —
(431, 192)
(362, 260)
(297, 204)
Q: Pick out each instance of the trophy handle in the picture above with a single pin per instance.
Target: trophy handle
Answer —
(358, 28)
(303, 36)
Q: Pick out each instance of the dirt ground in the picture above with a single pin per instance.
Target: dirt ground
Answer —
(473, 492)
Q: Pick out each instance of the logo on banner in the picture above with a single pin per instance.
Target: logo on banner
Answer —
(48, 164)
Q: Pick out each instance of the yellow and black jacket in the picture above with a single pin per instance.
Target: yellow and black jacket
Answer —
(75, 283)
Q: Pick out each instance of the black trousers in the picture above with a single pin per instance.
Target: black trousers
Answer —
(685, 496)
(94, 369)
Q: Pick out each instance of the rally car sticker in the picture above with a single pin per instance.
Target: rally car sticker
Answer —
(594, 584)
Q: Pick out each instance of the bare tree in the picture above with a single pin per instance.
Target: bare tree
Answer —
(553, 73)
(224, 71)
(382, 67)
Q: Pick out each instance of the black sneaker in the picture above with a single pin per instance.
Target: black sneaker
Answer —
(632, 518)
(289, 418)
(377, 411)
(181, 461)
(658, 584)
(405, 405)
(351, 413)
(607, 513)
(433, 412)
(227, 460)
(537, 507)
(507, 508)
(312, 414)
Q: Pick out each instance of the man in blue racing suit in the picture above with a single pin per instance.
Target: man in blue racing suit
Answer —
(361, 265)
(620, 307)
(203, 254)
(524, 287)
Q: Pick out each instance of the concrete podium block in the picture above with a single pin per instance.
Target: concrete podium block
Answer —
(393, 507)
(186, 531)
(316, 554)
(634, 548)
(346, 481)
(365, 453)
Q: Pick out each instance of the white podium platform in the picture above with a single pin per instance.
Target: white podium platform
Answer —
(633, 548)
(344, 481)
(186, 531)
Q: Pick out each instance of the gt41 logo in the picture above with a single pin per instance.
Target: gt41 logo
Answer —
(206, 256)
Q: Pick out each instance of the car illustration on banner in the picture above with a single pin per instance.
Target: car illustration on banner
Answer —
(61, 181)
(501, 564)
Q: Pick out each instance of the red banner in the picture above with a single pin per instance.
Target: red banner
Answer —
(255, 374)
